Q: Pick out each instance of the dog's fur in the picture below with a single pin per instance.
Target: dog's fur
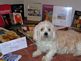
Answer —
(57, 41)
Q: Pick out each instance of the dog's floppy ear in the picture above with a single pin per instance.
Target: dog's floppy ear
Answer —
(53, 30)
(35, 35)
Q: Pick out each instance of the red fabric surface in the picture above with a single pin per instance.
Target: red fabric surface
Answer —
(27, 55)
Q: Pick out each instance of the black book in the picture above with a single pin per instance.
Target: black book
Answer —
(77, 20)
(18, 8)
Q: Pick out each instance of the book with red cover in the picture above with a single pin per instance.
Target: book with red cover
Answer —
(5, 9)
(1, 21)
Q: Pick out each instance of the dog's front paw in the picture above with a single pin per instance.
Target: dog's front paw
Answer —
(45, 58)
(36, 53)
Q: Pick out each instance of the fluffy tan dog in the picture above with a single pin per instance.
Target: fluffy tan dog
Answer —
(52, 41)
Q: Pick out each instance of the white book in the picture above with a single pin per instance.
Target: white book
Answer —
(14, 45)
(62, 16)
(34, 12)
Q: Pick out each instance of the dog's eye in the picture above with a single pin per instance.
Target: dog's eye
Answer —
(42, 29)
(49, 29)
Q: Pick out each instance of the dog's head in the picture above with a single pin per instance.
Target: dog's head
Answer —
(44, 31)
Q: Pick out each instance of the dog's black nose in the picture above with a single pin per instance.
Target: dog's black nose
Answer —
(46, 34)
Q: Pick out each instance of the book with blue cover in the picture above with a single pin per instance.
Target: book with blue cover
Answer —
(11, 57)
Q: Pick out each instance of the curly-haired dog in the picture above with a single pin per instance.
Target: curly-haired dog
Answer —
(52, 41)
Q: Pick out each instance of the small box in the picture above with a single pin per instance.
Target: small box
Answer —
(13, 45)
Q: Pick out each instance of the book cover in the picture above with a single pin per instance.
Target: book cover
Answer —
(34, 12)
(17, 18)
(18, 8)
(77, 20)
(47, 12)
(62, 16)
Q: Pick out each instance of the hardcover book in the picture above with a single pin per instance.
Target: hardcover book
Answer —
(77, 20)
(18, 8)
(5, 9)
(62, 16)
(47, 12)
(34, 12)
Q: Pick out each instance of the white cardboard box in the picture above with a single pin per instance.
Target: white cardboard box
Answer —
(13, 45)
